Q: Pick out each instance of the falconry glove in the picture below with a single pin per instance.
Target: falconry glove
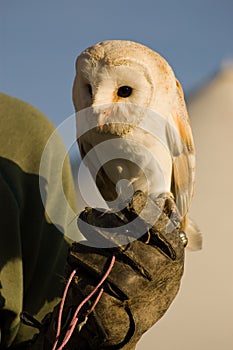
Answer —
(118, 291)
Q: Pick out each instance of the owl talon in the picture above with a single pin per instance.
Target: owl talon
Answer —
(148, 238)
(184, 238)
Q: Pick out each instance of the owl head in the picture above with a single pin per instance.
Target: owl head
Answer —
(120, 74)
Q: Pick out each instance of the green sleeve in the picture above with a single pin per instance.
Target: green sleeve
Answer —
(33, 246)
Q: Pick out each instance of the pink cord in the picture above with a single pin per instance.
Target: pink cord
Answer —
(96, 301)
(75, 318)
(62, 307)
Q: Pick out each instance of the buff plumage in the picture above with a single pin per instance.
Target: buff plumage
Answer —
(124, 86)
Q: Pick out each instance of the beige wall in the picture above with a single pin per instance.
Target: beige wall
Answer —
(201, 317)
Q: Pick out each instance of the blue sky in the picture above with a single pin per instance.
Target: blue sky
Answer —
(41, 39)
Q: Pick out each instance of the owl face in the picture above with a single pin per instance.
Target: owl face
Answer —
(115, 76)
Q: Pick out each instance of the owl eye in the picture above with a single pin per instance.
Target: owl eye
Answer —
(89, 89)
(124, 91)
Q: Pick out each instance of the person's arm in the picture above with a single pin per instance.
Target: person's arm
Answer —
(33, 249)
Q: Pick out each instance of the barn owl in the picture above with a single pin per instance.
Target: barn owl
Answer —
(135, 107)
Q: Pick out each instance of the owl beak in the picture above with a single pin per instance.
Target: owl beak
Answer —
(103, 117)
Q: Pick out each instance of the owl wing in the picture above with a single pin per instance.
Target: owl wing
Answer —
(180, 139)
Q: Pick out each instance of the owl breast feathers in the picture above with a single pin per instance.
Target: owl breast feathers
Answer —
(133, 128)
